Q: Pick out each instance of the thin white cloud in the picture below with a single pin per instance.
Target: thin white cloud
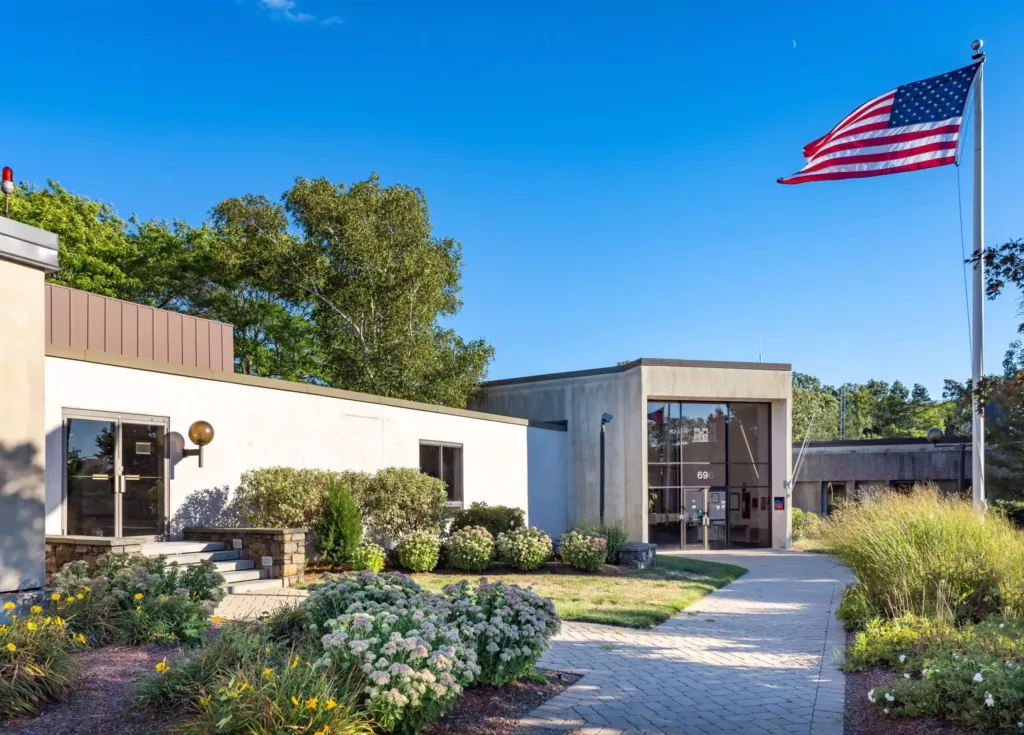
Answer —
(278, 4)
(287, 9)
(333, 20)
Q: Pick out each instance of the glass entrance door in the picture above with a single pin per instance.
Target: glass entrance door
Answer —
(705, 518)
(115, 476)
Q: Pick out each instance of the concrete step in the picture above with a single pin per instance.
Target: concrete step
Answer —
(234, 564)
(238, 588)
(244, 575)
(173, 548)
(214, 556)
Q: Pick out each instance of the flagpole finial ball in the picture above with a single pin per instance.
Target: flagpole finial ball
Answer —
(976, 45)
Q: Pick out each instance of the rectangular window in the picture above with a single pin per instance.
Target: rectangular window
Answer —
(443, 462)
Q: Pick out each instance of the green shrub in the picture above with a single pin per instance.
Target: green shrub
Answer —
(398, 501)
(259, 698)
(35, 662)
(419, 551)
(806, 525)
(368, 556)
(856, 608)
(615, 534)
(137, 599)
(470, 549)
(180, 684)
(282, 497)
(1012, 509)
(525, 549)
(582, 550)
(497, 519)
(930, 555)
(340, 528)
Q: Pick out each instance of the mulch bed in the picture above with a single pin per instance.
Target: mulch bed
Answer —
(489, 711)
(104, 697)
(103, 703)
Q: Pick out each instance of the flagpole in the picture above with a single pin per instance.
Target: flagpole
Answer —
(978, 325)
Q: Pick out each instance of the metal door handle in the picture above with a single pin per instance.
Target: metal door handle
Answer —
(131, 477)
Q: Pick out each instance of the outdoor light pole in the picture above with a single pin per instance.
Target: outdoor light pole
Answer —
(605, 420)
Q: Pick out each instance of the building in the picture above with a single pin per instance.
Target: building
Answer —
(100, 398)
(697, 453)
(836, 471)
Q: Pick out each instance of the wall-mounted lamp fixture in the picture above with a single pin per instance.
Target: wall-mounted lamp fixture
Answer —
(201, 434)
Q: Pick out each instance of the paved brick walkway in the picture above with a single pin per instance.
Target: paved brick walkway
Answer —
(250, 605)
(757, 656)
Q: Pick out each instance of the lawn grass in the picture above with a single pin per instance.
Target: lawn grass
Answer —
(814, 545)
(633, 598)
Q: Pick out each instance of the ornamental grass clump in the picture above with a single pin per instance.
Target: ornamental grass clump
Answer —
(525, 549)
(926, 554)
(582, 550)
(414, 662)
(368, 556)
(419, 551)
(260, 698)
(470, 549)
(512, 627)
(35, 661)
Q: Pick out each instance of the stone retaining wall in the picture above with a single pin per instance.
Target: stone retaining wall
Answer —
(285, 546)
(62, 549)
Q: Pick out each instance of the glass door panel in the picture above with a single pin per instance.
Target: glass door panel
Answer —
(90, 467)
(693, 519)
(717, 518)
(143, 481)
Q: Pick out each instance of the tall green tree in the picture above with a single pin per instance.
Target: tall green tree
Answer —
(378, 283)
(812, 400)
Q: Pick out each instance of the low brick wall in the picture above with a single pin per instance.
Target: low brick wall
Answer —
(285, 546)
(62, 549)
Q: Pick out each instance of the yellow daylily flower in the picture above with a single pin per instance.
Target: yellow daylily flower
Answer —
(311, 703)
(80, 638)
(243, 686)
(55, 596)
(163, 598)
(79, 596)
(8, 606)
(70, 598)
(330, 704)
(58, 621)
(295, 662)
(30, 626)
(268, 672)
(267, 649)
(139, 595)
(295, 701)
(162, 667)
(216, 618)
(11, 647)
(138, 607)
(36, 609)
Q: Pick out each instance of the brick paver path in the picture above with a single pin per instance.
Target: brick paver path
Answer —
(757, 656)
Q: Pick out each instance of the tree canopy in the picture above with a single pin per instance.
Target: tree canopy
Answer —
(342, 285)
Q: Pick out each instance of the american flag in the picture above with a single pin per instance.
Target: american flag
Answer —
(909, 128)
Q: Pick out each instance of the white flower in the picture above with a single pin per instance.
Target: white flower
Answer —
(871, 695)
(1020, 725)
(906, 676)
(1002, 625)
(886, 710)
(903, 658)
(979, 678)
(889, 697)
(990, 701)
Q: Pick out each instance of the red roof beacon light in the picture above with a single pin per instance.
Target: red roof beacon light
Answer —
(7, 184)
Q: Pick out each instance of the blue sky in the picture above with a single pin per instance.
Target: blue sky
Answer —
(609, 167)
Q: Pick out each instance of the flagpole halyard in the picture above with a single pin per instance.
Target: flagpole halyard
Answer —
(978, 317)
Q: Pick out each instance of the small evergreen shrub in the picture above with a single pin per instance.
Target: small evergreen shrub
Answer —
(806, 525)
(470, 549)
(35, 662)
(497, 519)
(368, 556)
(616, 535)
(340, 528)
(583, 550)
(525, 549)
(419, 552)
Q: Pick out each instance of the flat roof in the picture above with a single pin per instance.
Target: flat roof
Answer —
(643, 362)
(892, 442)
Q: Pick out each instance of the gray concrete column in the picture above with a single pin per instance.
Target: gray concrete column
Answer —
(26, 253)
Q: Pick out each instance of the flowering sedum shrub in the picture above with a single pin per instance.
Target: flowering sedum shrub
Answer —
(367, 556)
(414, 660)
(470, 549)
(525, 549)
(341, 594)
(584, 551)
(512, 627)
(419, 551)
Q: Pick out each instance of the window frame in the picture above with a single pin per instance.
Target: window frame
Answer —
(459, 500)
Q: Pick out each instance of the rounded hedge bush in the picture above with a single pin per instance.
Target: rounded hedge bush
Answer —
(470, 549)
(418, 552)
(525, 549)
(586, 551)
(367, 556)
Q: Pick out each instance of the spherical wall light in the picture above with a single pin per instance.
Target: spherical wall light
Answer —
(201, 433)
